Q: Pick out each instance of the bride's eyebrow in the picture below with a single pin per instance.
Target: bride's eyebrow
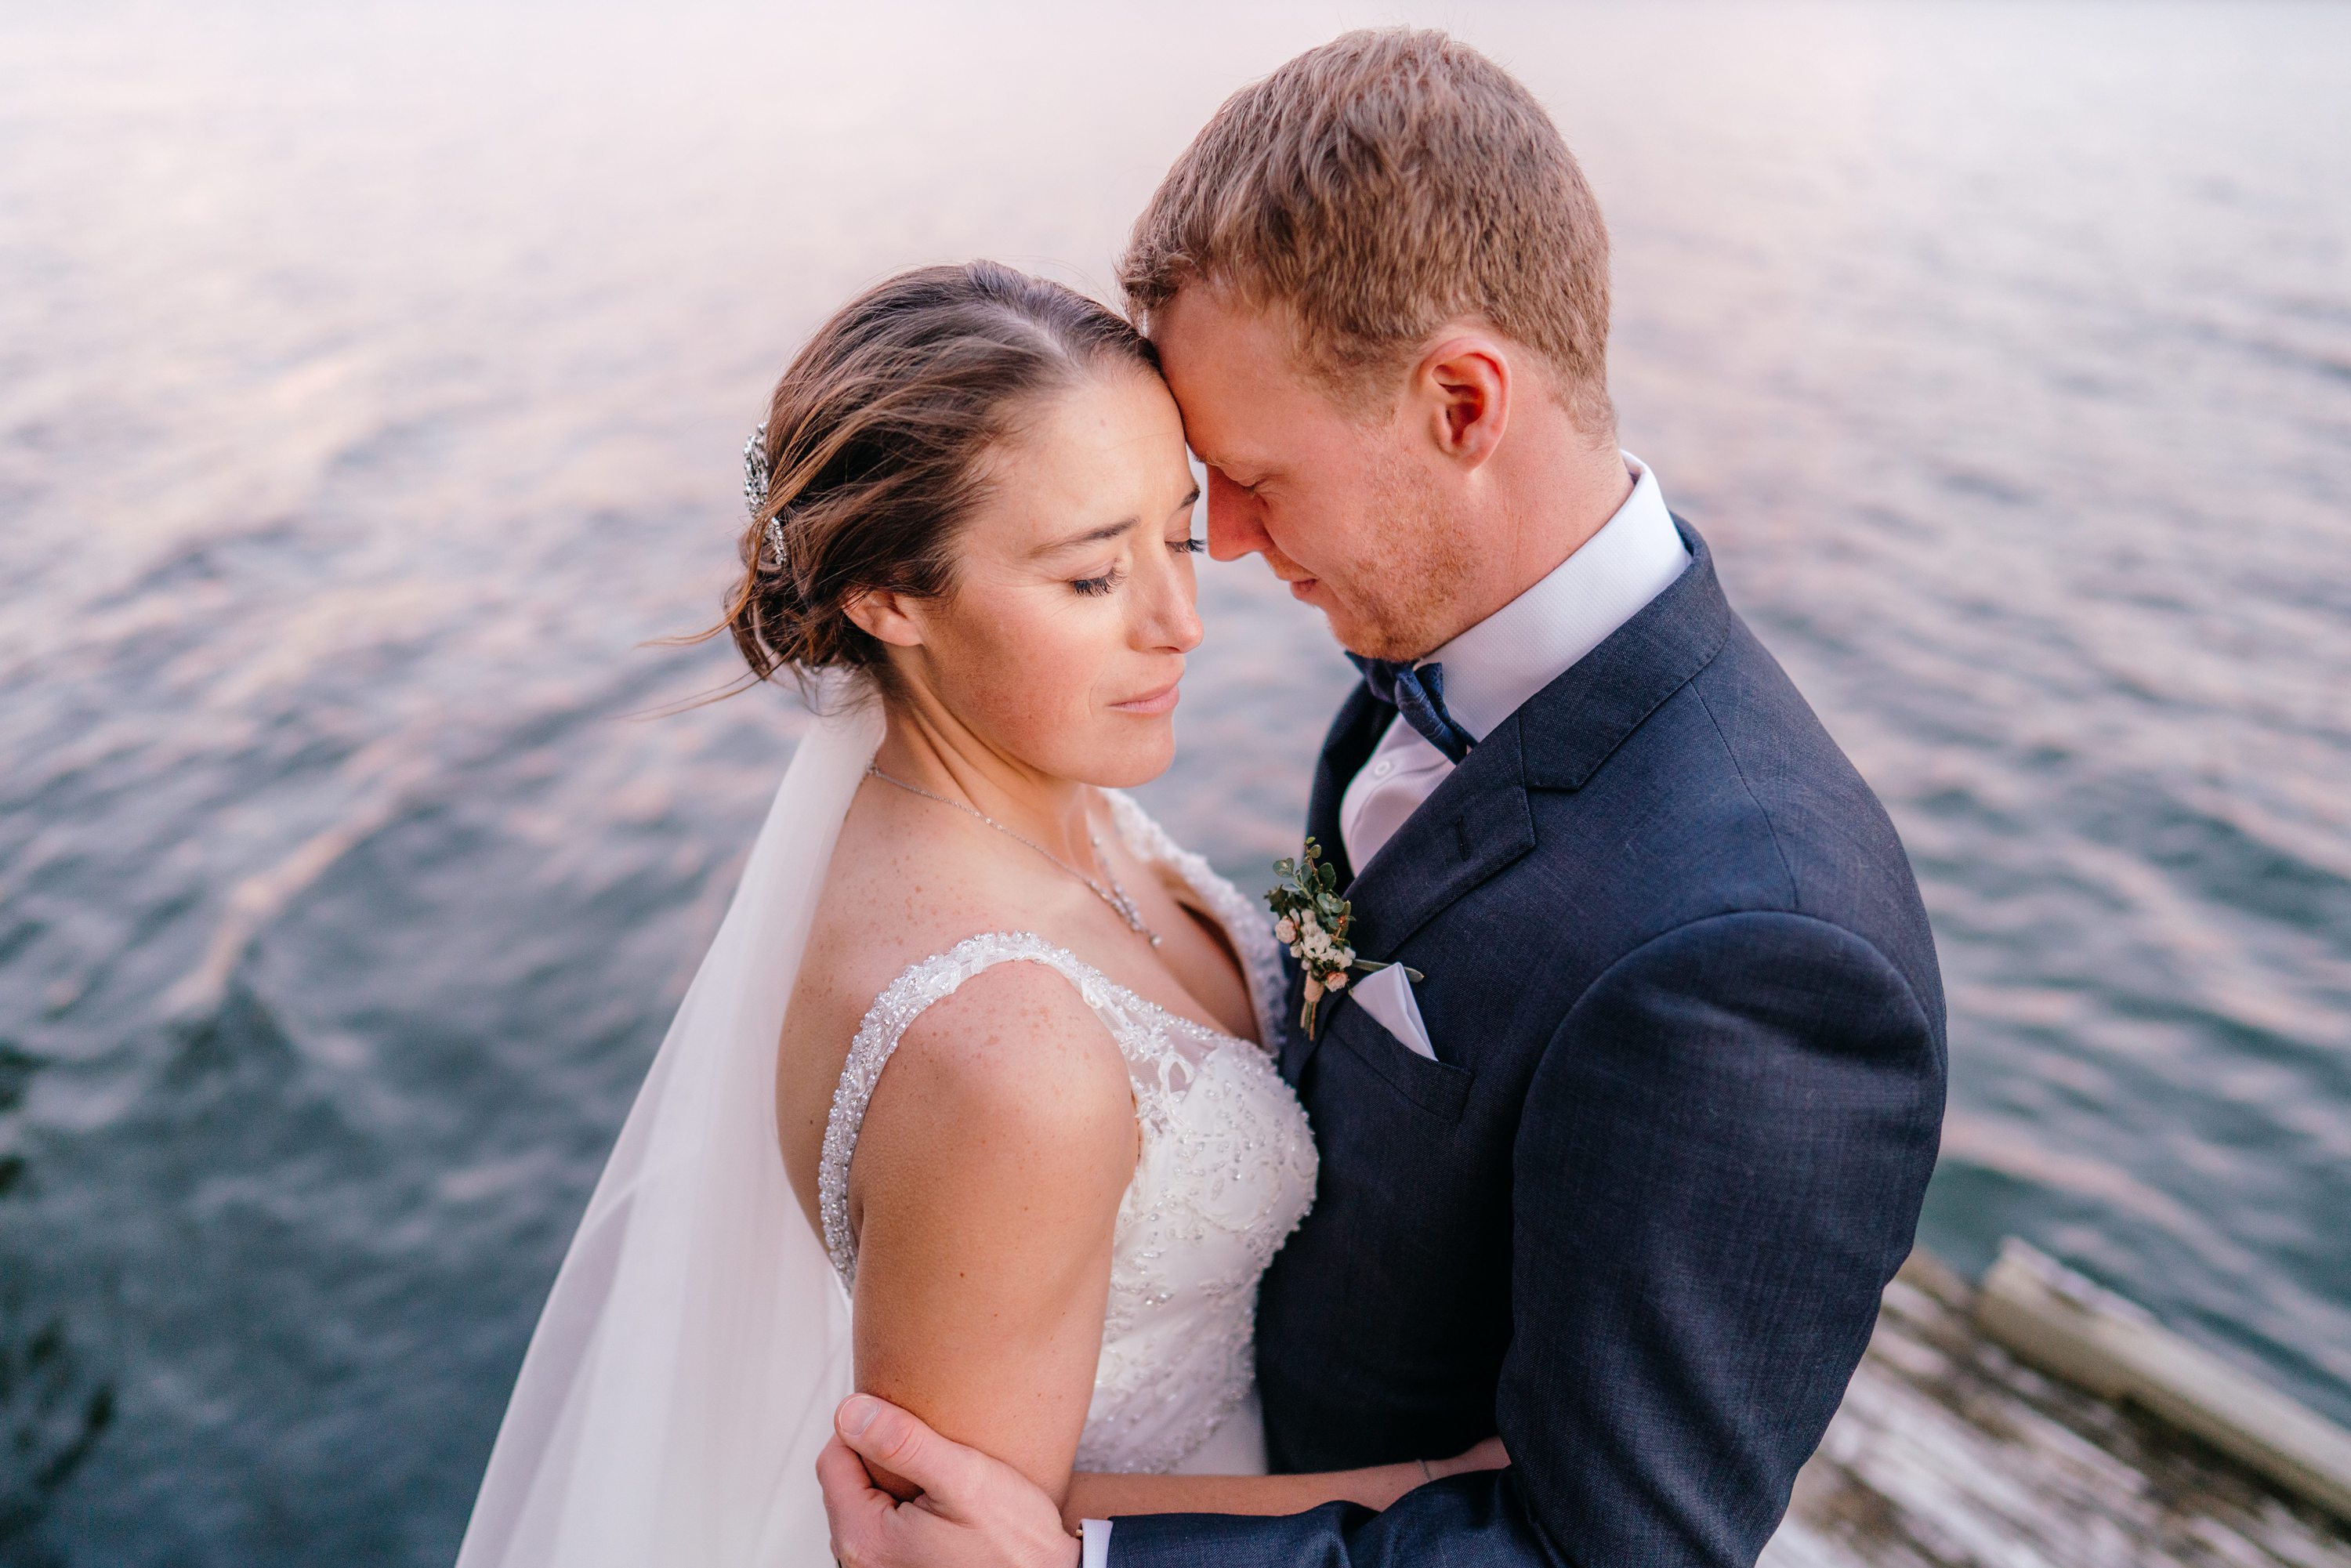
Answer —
(1091, 536)
(1110, 530)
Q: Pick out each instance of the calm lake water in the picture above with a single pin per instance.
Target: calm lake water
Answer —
(372, 382)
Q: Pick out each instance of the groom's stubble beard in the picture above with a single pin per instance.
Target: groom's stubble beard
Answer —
(1412, 572)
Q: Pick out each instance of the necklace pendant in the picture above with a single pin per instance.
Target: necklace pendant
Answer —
(1133, 911)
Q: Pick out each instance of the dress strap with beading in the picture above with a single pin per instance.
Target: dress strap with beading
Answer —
(923, 983)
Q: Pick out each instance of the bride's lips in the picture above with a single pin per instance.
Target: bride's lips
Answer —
(1163, 700)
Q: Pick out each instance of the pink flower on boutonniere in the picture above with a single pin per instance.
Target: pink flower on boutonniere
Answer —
(1311, 919)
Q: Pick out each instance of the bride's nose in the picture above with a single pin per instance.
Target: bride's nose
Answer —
(1169, 616)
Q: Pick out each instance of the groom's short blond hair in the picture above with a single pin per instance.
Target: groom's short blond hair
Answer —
(1375, 188)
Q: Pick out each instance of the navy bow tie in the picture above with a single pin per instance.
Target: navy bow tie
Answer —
(1418, 694)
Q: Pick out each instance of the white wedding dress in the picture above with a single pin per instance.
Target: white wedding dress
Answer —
(683, 1373)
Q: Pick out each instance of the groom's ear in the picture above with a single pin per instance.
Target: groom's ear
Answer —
(1461, 392)
(882, 615)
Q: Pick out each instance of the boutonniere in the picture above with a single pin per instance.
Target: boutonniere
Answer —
(1311, 919)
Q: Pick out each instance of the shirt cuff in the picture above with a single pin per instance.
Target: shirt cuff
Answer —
(1095, 1533)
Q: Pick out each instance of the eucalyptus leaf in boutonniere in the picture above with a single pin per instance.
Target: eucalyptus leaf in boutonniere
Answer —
(1311, 919)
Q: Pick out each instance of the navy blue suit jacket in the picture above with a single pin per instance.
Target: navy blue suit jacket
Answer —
(1637, 1214)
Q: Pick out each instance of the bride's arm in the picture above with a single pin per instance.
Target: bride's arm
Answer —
(985, 1188)
(1094, 1496)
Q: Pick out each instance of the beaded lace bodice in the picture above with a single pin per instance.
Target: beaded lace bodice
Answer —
(1226, 1170)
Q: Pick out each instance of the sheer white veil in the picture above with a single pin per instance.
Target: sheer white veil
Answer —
(685, 1368)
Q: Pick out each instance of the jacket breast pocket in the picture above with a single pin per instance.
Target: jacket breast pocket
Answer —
(1438, 1088)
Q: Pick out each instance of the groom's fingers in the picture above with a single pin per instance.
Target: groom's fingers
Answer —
(855, 1511)
(890, 1440)
(973, 1508)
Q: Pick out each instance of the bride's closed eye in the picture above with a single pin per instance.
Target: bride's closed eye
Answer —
(1105, 581)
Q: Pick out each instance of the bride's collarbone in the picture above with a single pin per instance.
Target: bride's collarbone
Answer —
(915, 900)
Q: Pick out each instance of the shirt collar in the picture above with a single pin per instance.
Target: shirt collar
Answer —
(1491, 669)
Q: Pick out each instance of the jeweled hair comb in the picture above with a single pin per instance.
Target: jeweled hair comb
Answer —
(756, 477)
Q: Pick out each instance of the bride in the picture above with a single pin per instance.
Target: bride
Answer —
(971, 1104)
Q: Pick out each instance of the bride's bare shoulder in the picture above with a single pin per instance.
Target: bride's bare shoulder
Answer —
(998, 1142)
(1012, 1046)
(906, 885)
(1013, 1054)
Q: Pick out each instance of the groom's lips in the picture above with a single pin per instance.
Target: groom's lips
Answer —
(1302, 587)
(1163, 700)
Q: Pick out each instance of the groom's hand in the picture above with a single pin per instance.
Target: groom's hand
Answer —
(973, 1512)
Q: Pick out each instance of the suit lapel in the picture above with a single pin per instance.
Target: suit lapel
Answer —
(1478, 820)
(1575, 723)
(1362, 720)
(1473, 824)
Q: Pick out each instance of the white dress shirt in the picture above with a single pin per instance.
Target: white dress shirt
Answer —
(1491, 669)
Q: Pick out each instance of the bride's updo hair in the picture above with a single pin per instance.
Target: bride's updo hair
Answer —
(877, 439)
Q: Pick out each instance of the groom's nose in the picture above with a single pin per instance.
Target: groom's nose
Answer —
(1236, 520)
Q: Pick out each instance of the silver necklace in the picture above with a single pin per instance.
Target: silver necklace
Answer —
(1114, 895)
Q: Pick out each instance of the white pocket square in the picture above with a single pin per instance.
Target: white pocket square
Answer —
(1386, 995)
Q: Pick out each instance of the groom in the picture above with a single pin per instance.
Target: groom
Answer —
(1623, 1177)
